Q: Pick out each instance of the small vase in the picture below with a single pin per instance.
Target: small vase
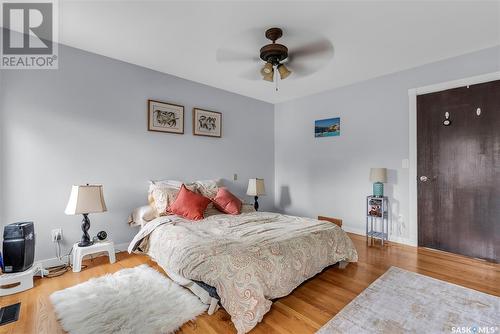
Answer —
(378, 189)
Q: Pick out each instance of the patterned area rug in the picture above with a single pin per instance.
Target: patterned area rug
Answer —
(404, 302)
(135, 300)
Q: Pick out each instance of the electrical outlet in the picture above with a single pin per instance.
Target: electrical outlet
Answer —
(56, 234)
(235, 177)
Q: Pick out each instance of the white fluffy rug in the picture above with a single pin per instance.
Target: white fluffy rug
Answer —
(136, 300)
(404, 302)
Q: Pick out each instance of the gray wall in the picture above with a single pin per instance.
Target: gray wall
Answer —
(87, 122)
(330, 176)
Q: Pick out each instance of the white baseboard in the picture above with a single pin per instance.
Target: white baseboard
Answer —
(397, 239)
(354, 230)
(54, 261)
(122, 247)
(404, 241)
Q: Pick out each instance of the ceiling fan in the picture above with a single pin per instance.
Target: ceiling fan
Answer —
(308, 53)
(273, 54)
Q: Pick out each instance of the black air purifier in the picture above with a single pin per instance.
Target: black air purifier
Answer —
(18, 247)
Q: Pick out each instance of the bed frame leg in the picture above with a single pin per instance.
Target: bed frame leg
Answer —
(343, 264)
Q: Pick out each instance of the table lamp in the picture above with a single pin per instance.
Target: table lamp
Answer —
(82, 201)
(378, 176)
(256, 188)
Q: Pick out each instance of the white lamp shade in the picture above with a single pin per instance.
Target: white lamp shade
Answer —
(378, 175)
(85, 199)
(256, 187)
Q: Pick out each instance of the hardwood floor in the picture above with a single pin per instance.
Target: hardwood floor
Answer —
(305, 310)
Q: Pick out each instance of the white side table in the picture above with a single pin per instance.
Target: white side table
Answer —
(98, 247)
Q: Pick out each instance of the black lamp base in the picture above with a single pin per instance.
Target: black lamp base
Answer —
(256, 203)
(85, 244)
(85, 241)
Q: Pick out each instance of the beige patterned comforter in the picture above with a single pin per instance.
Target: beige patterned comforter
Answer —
(251, 258)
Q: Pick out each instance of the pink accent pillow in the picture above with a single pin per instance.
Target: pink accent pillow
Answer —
(226, 202)
(189, 204)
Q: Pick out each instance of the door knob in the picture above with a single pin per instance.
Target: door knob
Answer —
(424, 178)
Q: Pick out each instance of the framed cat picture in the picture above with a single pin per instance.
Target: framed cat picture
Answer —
(207, 123)
(165, 117)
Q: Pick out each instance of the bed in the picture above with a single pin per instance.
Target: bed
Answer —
(250, 259)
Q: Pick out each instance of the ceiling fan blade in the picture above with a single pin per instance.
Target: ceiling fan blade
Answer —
(320, 48)
(307, 59)
(226, 55)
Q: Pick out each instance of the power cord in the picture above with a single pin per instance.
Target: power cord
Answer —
(56, 271)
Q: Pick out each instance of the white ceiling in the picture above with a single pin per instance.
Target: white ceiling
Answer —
(369, 38)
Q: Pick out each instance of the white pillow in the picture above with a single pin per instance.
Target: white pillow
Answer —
(208, 188)
(170, 183)
(142, 215)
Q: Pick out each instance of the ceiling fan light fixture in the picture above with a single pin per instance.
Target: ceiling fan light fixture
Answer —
(267, 69)
(284, 72)
(269, 77)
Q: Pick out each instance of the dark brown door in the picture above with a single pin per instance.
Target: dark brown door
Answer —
(458, 170)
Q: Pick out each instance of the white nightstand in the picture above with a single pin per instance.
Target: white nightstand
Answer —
(98, 247)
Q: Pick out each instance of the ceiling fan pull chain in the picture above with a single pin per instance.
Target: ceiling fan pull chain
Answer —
(276, 81)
